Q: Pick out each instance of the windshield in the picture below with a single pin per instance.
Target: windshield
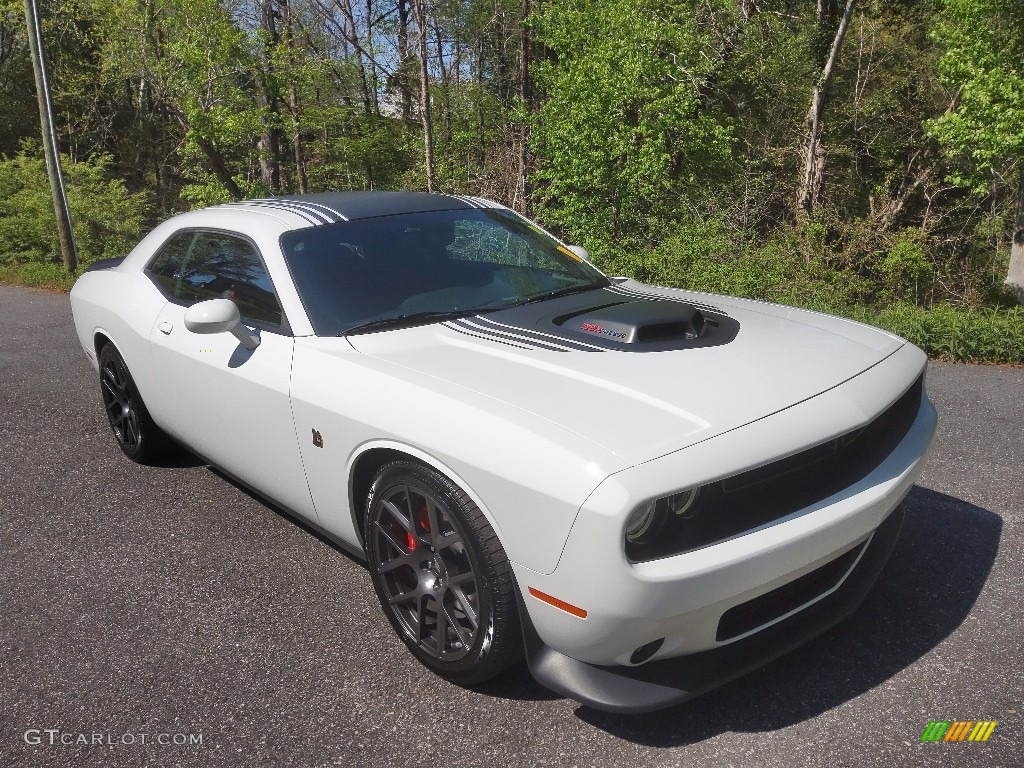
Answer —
(424, 267)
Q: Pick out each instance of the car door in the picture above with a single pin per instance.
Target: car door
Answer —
(228, 403)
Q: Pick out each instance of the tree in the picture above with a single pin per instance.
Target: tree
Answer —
(425, 113)
(625, 138)
(199, 69)
(809, 190)
(18, 109)
(984, 135)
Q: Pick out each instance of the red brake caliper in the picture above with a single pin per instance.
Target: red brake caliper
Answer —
(424, 522)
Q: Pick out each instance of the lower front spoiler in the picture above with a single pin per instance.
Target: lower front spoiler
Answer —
(660, 684)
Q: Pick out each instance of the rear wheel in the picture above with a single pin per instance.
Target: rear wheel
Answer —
(137, 435)
(441, 575)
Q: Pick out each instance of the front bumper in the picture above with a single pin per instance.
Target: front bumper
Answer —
(723, 609)
(634, 690)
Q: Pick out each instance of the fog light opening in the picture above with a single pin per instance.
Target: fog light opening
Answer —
(644, 652)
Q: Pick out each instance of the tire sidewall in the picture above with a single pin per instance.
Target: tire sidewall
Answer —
(469, 668)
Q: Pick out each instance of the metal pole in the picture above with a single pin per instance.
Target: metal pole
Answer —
(68, 250)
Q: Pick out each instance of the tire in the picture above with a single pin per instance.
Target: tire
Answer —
(137, 435)
(441, 574)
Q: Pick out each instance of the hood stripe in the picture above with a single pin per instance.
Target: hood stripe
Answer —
(518, 339)
(544, 338)
(633, 293)
(451, 326)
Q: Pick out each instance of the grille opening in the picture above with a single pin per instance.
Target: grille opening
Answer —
(755, 613)
(775, 470)
(760, 496)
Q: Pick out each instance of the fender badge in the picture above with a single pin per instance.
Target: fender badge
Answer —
(318, 439)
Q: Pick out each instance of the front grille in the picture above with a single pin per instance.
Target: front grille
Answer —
(760, 496)
(755, 613)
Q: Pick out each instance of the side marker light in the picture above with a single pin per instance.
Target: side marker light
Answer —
(559, 604)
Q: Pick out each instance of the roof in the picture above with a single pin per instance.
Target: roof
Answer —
(331, 207)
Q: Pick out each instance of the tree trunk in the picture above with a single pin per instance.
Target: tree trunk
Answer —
(351, 33)
(428, 128)
(294, 57)
(219, 167)
(809, 192)
(1015, 274)
(446, 104)
(270, 139)
(371, 49)
(300, 165)
(65, 234)
(521, 201)
(403, 60)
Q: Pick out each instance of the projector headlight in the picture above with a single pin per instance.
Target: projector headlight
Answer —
(647, 520)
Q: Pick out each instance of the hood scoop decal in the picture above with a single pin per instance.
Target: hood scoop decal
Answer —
(603, 321)
(647, 325)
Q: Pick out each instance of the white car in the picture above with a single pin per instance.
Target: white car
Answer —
(645, 491)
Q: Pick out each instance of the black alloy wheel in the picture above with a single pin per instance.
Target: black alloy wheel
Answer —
(137, 435)
(441, 575)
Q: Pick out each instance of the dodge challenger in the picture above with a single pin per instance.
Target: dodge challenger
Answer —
(641, 491)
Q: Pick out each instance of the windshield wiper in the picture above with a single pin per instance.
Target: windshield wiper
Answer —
(561, 292)
(413, 318)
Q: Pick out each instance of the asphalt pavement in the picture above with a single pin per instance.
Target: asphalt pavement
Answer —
(162, 616)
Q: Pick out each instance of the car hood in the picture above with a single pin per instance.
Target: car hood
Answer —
(644, 398)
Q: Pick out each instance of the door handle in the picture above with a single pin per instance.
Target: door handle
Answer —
(166, 327)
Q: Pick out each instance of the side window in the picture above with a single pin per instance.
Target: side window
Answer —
(196, 266)
(165, 270)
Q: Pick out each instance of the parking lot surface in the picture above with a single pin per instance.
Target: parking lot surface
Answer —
(165, 617)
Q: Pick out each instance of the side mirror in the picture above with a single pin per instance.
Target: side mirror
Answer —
(219, 316)
(580, 251)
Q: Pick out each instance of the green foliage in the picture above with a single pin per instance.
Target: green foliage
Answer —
(17, 103)
(210, 191)
(36, 275)
(191, 61)
(107, 219)
(794, 266)
(625, 132)
(984, 63)
(906, 266)
(950, 333)
(665, 136)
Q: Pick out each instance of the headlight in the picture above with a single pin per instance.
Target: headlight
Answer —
(647, 520)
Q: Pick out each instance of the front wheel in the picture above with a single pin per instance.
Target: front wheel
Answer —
(441, 575)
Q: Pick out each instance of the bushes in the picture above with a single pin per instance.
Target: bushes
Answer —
(107, 218)
(949, 333)
(795, 266)
(792, 267)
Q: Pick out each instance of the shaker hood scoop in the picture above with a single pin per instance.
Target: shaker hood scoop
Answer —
(642, 324)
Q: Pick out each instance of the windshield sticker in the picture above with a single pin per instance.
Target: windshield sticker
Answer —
(570, 254)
